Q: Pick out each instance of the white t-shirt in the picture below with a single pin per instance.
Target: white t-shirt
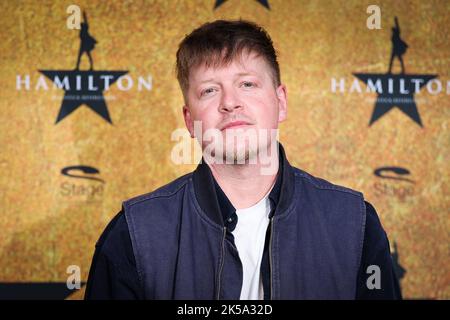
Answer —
(249, 237)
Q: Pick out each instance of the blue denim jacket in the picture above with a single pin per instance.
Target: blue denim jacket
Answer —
(181, 250)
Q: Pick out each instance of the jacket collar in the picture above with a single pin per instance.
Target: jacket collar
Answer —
(219, 209)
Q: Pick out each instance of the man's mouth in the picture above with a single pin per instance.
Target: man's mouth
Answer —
(235, 124)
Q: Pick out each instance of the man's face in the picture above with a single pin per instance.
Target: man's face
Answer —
(234, 100)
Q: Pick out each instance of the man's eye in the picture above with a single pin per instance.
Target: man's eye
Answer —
(207, 91)
(248, 84)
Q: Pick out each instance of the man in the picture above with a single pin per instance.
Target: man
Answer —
(245, 224)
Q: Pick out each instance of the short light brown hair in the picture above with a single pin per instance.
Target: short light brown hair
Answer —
(219, 43)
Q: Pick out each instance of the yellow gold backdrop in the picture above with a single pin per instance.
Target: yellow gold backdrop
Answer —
(49, 220)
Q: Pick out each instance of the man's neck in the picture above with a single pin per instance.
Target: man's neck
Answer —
(243, 184)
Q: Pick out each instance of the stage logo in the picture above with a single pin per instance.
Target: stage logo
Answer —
(395, 182)
(84, 183)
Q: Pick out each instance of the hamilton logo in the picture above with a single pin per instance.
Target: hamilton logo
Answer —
(84, 87)
(395, 90)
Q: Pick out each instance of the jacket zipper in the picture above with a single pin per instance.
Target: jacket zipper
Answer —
(270, 259)
(221, 262)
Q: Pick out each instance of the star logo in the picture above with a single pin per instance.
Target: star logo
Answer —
(395, 90)
(84, 87)
(265, 3)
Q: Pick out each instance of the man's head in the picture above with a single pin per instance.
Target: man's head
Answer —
(228, 72)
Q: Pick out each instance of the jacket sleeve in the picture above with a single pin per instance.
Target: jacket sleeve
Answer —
(376, 251)
(113, 273)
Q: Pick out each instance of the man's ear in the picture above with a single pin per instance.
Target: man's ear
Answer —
(282, 102)
(188, 120)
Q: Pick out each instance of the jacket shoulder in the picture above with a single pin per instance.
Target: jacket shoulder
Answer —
(322, 184)
(166, 191)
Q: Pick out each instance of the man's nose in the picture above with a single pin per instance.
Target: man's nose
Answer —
(229, 100)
